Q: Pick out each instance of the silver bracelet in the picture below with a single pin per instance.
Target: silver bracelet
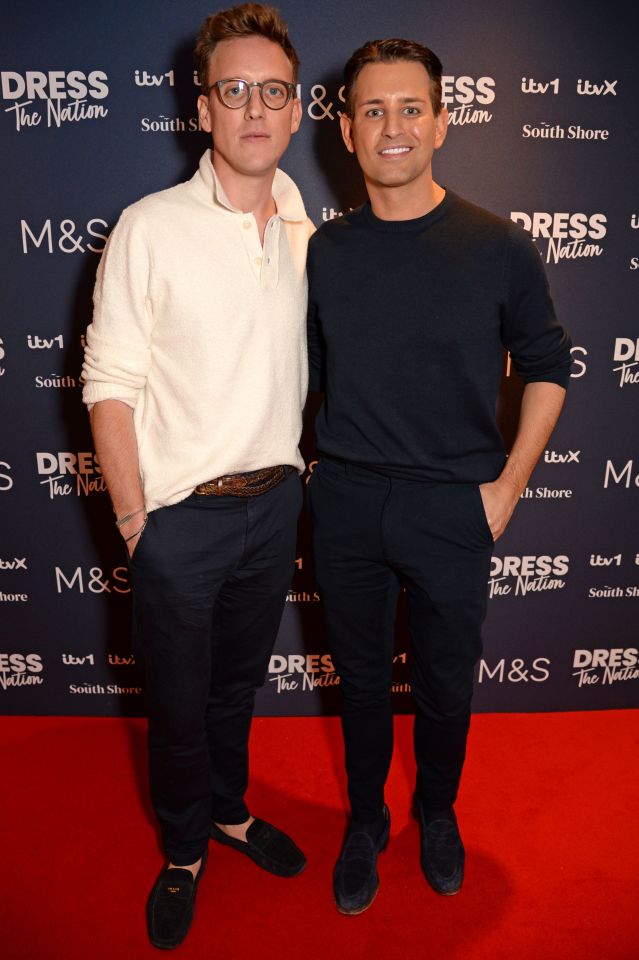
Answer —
(137, 532)
(120, 523)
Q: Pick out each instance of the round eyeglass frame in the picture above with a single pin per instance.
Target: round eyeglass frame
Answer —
(249, 87)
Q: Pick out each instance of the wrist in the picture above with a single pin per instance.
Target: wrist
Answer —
(509, 487)
(126, 516)
(129, 537)
(129, 528)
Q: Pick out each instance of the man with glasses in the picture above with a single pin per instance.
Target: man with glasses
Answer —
(195, 374)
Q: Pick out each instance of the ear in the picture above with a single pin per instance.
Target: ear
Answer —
(441, 127)
(346, 125)
(204, 112)
(296, 115)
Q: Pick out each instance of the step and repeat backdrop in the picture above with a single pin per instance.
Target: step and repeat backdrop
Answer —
(99, 108)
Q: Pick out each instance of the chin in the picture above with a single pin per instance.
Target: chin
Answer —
(391, 179)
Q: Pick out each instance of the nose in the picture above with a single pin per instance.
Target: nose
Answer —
(391, 126)
(254, 107)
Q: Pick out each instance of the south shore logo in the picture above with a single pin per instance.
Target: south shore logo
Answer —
(567, 234)
(20, 670)
(548, 131)
(55, 98)
(100, 690)
(67, 473)
(518, 576)
(605, 666)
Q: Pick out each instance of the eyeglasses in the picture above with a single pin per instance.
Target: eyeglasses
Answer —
(235, 92)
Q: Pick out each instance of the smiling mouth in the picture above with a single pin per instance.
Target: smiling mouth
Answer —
(395, 151)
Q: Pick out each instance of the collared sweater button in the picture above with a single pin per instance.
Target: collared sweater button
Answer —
(247, 224)
(258, 261)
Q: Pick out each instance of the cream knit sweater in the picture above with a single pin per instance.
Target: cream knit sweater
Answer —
(201, 331)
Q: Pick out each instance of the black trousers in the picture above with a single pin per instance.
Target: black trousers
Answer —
(373, 535)
(210, 577)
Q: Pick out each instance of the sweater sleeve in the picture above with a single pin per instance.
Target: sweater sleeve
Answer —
(117, 356)
(538, 344)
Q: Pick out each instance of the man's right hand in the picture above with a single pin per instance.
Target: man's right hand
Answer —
(117, 452)
(132, 528)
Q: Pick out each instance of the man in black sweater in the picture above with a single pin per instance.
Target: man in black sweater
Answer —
(412, 299)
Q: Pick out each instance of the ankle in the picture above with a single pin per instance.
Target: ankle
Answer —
(193, 867)
(235, 830)
(438, 813)
(374, 828)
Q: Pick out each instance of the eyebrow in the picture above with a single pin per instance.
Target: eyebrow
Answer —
(376, 100)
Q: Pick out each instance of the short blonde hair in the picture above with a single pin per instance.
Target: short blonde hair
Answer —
(245, 20)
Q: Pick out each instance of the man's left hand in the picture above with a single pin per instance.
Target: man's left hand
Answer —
(499, 501)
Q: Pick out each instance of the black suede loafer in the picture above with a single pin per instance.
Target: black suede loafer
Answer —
(268, 847)
(442, 856)
(355, 879)
(170, 907)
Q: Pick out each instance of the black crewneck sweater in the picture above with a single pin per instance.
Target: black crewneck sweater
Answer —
(407, 324)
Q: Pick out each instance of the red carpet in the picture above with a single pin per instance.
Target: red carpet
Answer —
(549, 814)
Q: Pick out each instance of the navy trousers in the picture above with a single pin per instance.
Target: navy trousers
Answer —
(372, 535)
(210, 577)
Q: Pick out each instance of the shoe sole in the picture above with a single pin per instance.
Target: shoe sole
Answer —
(443, 893)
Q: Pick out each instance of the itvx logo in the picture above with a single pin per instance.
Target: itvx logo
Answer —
(18, 563)
(551, 456)
(67, 473)
(57, 96)
(529, 574)
(566, 233)
(589, 89)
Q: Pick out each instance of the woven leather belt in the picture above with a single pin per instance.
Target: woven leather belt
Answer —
(251, 484)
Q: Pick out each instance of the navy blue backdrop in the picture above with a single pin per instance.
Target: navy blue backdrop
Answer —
(98, 108)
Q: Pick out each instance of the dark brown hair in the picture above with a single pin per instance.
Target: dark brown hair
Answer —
(394, 51)
(245, 20)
